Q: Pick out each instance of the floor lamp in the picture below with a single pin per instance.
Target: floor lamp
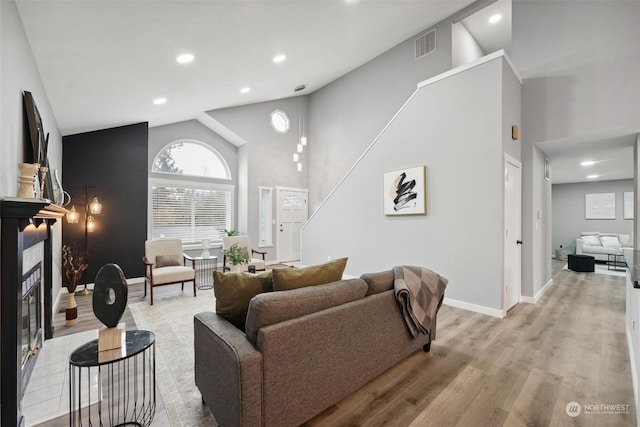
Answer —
(90, 209)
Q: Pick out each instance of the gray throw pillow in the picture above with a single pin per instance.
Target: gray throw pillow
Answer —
(167, 260)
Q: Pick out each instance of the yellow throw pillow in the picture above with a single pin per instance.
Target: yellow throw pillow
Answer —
(285, 279)
(234, 291)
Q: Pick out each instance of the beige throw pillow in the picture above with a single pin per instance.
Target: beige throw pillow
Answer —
(285, 279)
(233, 292)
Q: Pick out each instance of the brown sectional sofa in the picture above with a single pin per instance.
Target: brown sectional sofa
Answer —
(303, 351)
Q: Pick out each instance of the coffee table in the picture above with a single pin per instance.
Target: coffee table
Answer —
(616, 262)
(582, 263)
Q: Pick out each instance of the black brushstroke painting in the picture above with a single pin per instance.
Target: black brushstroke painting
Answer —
(404, 192)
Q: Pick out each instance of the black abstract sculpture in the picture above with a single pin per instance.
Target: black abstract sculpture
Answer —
(110, 295)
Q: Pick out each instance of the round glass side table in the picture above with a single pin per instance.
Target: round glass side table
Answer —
(114, 387)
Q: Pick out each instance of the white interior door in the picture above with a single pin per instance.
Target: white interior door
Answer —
(291, 214)
(512, 231)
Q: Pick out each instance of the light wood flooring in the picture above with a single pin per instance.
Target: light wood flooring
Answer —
(519, 371)
(482, 371)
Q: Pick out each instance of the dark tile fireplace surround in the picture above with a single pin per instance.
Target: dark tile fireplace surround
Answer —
(25, 295)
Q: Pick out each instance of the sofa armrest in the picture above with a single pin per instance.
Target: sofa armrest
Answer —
(579, 244)
(228, 371)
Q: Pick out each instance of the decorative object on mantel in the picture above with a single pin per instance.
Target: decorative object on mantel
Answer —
(109, 302)
(74, 266)
(39, 146)
(405, 191)
(58, 193)
(27, 179)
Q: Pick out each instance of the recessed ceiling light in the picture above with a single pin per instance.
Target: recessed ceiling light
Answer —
(592, 176)
(279, 58)
(185, 58)
(159, 101)
(588, 163)
(495, 18)
(245, 90)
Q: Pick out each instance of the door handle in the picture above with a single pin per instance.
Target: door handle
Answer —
(518, 242)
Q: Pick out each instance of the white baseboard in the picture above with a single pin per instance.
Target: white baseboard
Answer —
(474, 307)
(536, 297)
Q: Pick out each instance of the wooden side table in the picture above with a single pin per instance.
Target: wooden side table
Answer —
(126, 377)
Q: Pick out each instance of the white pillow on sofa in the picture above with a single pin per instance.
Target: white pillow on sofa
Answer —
(591, 240)
(610, 242)
(625, 240)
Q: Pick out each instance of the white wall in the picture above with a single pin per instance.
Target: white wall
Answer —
(347, 114)
(464, 48)
(580, 63)
(18, 73)
(454, 127)
(266, 158)
(569, 215)
(536, 222)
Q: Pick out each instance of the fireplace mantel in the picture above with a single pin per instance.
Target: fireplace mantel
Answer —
(25, 223)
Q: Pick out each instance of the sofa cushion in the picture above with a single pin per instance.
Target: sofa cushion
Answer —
(167, 260)
(592, 250)
(625, 240)
(233, 292)
(610, 241)
(275, 307)
(285, 279)
(591, 240)
(378, 282)
(173, 274)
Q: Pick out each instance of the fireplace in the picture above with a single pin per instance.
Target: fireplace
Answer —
(31, 336)
(25, 295)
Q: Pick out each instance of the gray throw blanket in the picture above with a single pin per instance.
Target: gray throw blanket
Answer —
(419, 292)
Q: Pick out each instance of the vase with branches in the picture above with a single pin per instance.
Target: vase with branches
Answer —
(74, 266)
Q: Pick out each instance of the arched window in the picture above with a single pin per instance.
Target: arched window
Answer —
(193, 209)
(187, 157)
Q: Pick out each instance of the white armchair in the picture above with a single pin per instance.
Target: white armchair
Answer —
(164, 264)
(242, 242)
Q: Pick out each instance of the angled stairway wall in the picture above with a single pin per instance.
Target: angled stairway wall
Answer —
(459, 126)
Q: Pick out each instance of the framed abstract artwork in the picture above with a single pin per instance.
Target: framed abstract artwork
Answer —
(600, 206)
(405, 191)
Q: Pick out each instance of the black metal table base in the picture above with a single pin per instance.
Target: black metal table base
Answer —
(117, 389)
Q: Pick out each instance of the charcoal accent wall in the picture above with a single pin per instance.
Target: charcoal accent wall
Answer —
(113, 162)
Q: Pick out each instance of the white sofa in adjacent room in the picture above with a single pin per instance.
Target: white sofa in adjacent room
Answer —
(600, 245)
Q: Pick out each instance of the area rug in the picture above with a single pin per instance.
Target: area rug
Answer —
(602, 269)
(171, 320)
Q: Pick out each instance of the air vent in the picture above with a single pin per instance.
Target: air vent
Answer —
(426, 44)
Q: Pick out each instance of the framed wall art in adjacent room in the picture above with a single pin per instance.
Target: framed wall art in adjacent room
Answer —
(600, 206)
(628, 204)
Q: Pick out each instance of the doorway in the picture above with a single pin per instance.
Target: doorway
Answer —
(292, 212)
(512, 231)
